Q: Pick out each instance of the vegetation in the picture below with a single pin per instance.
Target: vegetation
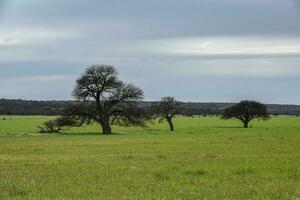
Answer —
(106, 100)
(23, 107)
(57, 125)
(246, 111)
(166, 109)
(206, 158)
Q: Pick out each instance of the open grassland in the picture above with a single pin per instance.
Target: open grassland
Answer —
(205, 158)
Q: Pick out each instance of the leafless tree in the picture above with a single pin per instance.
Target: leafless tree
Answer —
(166, 109)
(106, 100)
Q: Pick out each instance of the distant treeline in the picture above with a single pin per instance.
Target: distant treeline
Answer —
(25, 107)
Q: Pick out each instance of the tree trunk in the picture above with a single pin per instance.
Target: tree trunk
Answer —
(170, 124)
(246, 124)
(106, 128)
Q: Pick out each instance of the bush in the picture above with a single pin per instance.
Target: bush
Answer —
(57, 125)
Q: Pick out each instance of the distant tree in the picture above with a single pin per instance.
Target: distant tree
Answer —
(106, 100)
(246, 111)
(166, 109)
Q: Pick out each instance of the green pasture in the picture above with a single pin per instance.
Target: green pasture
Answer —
(205, 158)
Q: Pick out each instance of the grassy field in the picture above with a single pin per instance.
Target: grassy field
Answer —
(205, 158)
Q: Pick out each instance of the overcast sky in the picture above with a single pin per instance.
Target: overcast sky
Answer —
(195, 50)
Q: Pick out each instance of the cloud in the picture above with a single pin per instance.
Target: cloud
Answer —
(45, 44)
(33, 36)
(2, 5)
(161, 18)
(216, 56)
(227, 46)
(43, 78)
(236, 68)
(37, 87)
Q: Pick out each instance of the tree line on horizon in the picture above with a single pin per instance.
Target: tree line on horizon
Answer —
(56, 107)
(104, 99)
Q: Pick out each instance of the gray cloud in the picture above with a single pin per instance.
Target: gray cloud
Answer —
(153, 43)
(2, 7)
(164, 18)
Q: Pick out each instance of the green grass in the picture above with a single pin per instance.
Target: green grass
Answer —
(205, 158)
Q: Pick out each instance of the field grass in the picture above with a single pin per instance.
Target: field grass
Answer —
(205, 158)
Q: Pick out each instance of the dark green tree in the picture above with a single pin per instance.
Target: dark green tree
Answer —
(246, 111)
(57, 125)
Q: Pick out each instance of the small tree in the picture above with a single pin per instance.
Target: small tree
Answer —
(106, 100)
(57, 125)
(246, 111)
(166, 109)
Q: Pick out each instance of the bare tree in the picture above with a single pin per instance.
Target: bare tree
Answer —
(106, 100)
(166, 109)
(246, 111)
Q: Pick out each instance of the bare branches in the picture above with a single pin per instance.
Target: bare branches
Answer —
(97, 80)
(82, 113)
(105, 99)
(166, 109)
(129, 114)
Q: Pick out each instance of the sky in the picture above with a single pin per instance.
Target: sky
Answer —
(194, 50)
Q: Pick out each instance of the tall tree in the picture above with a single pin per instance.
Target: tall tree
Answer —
(106, 100)
(246, 111)
(166, 109)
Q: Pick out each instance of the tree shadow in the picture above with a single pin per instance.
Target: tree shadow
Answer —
(90, 134)
(153, 131)
(233, 127)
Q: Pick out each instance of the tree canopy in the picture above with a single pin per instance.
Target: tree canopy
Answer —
(106, 100)
(246, 111)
